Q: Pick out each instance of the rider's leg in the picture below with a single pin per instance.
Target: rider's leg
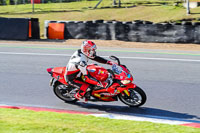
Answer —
(82, 87)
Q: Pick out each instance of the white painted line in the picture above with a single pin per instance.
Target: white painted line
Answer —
(40, 54)
(137, 118)
(69, 55)
(163, 59)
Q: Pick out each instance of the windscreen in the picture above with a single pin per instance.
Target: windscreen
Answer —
(116, 69)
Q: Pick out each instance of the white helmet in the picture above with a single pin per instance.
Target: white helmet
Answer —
(88, 48)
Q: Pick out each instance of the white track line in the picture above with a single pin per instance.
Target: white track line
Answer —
(141, 118)
(68, 55)
(40, 54)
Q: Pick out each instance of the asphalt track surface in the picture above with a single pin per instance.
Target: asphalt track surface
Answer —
(169, 78)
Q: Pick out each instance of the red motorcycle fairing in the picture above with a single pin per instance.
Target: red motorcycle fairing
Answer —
(115, 89)
(98, 72)
(107, 94)
(124, 75)
(58, 73)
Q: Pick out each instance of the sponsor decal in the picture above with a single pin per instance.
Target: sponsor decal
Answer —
(101, 72)
(92, 70)
(111, 94)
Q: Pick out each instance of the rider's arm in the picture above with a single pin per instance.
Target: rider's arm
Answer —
(103, 61)
(100, 60)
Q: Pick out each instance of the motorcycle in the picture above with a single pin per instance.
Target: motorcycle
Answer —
(120, 85)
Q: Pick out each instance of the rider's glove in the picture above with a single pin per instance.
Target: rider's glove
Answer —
(111, 63)
(102, 84)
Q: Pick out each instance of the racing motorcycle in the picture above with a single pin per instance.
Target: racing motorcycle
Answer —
(119, 79)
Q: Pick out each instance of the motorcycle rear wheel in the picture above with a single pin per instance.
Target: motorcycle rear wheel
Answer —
(63, 93)
(137, 97)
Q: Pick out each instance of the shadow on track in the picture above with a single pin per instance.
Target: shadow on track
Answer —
(141, 111)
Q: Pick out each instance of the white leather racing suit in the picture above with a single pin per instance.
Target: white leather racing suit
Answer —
(77, 66)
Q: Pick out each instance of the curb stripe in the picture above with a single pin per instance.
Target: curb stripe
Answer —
(195, 125)
(37, 109)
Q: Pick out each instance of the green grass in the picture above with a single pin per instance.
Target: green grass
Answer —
(26, 121)
(149, 10)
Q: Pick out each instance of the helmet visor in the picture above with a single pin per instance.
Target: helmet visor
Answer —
(92, 53)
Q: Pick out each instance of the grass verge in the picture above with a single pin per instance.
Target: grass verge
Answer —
(23, 121)
(149, 10)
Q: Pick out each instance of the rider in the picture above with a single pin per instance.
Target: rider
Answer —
(77, 66)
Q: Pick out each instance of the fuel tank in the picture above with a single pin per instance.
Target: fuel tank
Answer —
(98, 72)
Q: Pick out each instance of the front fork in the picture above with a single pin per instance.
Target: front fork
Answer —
(52, 81)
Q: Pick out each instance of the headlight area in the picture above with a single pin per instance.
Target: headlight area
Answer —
(125, 82)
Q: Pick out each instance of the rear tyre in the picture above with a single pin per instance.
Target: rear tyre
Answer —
(65, 93)
(137, 97)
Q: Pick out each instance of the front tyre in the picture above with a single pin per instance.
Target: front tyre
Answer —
(64, 92)
(137, 97)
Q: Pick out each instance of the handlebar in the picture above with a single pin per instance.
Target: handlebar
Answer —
(112, 57)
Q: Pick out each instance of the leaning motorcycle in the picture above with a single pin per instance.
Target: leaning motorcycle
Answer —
(119, 79)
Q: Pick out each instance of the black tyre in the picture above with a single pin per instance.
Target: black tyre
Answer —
(137, 97)
(64, 92)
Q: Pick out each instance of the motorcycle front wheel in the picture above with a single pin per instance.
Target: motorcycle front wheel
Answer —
(137, 97)
(64, 92)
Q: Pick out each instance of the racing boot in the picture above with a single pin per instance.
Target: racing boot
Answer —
(80, 96)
